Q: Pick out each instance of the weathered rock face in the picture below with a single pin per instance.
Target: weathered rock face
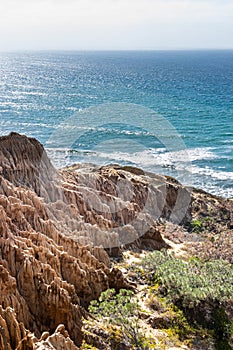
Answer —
(43, 283)
(53, 228)
(108, 206)
(45, 277)
(22, 160)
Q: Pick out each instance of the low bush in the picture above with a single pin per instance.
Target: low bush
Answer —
(200, 288)
(190, 281)
(120, 310)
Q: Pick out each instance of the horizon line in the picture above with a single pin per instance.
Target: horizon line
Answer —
(115, 50)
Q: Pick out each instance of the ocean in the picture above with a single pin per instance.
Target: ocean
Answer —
(169, 112)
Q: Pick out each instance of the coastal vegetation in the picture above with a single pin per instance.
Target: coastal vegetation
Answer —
(201, 289)
(185, 299)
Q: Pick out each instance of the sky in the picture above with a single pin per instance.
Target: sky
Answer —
(115, 24)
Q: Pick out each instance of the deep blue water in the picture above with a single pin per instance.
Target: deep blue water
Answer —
(43, 92)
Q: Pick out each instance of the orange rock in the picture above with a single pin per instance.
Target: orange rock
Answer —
(53, 228)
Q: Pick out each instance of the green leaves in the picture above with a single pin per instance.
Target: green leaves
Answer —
(112, 305)
(191, 281)
(196, 225)
(120, 310)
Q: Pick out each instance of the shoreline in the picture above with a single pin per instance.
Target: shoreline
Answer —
(162, 171)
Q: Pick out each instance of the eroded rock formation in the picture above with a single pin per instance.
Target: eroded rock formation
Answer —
(57, 230)
(46, 277)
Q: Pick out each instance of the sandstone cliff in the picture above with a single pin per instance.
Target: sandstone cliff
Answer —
(46, 277)
(58, 229)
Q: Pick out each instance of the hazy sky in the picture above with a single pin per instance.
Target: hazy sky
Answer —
(115, 24)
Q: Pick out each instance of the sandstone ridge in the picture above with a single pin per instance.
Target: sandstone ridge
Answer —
(58, 229)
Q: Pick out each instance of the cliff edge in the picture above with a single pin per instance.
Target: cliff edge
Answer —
(58, 230)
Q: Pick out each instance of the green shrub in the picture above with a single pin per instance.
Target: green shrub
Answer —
(190, 282)
(198, 287)
(120, 310)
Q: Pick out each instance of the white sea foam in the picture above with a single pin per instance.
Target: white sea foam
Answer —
(216, 174)
(28, 93)
(23, 124)
(150, 157)
(178, 164)
(145, 158)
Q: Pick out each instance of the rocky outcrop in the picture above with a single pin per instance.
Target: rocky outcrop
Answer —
(15, 336)
(51, 230)
(46, 276)
(57, 230)
(108, 206)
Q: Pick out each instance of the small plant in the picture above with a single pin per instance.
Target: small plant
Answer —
(120, 310)
(196, 225)
(87, 346)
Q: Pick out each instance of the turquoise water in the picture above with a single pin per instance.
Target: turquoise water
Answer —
(192, 90)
